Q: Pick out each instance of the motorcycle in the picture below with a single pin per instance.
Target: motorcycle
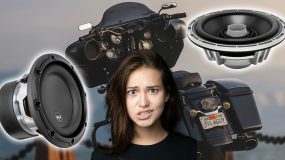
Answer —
(126, 28)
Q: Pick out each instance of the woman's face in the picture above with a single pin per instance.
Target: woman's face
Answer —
(145, 97)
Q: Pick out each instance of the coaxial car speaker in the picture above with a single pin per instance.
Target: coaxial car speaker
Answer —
(50, 101)
(237, 38)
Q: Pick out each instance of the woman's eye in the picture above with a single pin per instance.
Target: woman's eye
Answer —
(132, 92)
(153, 90)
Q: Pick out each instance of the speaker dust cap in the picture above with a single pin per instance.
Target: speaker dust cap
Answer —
(237, 38)
(55, 102)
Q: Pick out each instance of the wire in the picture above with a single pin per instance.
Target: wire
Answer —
(268, 139)
(23, 152)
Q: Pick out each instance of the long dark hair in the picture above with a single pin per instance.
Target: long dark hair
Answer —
(121, 125)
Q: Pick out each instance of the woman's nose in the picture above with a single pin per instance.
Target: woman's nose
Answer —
(144, 101)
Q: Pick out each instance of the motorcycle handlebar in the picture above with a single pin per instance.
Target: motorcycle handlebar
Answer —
(175, 16)
(164, 16)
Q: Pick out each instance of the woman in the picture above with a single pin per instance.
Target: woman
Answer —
(144, 107)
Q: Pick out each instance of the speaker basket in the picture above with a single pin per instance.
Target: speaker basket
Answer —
(236, 38)
(50, 101)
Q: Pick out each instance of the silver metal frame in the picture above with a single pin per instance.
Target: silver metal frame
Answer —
(26, 122)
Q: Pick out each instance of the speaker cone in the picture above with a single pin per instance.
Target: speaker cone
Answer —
(237, 38)
(50, 101)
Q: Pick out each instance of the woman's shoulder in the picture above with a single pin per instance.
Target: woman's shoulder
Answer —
(184, 146)
(98, 154)
(180, 138)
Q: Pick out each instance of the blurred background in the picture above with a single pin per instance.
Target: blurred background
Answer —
(31, 28)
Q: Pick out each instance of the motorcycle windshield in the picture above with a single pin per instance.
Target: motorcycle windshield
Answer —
(124, 12)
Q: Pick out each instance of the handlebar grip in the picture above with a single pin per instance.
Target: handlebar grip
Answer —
(177, 15)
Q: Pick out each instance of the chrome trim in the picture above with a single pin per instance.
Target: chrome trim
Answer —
(26, 122)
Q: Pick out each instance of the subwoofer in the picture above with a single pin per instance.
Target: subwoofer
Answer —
(50, 101)
(236, 38)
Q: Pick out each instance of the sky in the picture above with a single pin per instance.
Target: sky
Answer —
(31, 28)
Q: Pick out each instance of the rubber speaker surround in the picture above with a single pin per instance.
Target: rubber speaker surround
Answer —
(263, 31)
(55, 100)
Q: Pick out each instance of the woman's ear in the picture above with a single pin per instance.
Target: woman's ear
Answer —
(166, 98)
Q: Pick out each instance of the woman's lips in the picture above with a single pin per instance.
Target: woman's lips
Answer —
(144, 115)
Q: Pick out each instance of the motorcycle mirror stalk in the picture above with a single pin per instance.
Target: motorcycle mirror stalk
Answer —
(167, 6)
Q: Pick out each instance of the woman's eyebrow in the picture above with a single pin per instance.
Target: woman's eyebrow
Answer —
(153, 86)
(132, 87)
